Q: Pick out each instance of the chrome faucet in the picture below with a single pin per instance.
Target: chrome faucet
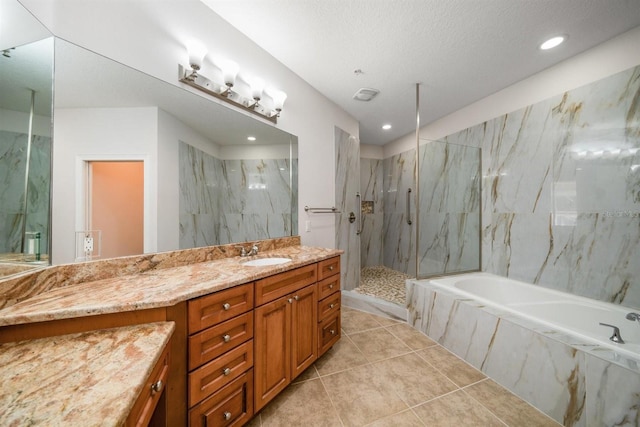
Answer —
(244, 252)
(633, 316)
(616, 337)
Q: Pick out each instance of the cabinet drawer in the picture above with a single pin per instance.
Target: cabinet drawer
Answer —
(328, 333)
(146, 403)
(328, 306)
(328, 286)
(215, 308)
(274, 287)
(211, 343)
(219, 372)
(231, 406)
(328, 267)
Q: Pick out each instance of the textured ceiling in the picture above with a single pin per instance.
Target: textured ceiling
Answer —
(458, 50)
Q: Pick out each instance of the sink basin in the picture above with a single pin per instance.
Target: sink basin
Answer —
(261, 262)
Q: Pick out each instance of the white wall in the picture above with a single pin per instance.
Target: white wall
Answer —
(613, 56)
(98, 134)
(151, 36)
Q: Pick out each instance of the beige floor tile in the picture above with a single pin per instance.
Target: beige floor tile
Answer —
(385, 321)
(303, 404)
(309, 374)
(255, 422)
(378, 344)
(343, 355)
(361, 396)
(357, 321)
(413, 379)
(456, 369)
(507, 406)
(456, 409)
(402, 419)
(414, 339)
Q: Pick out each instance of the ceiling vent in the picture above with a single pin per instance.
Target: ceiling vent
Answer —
(365, 94)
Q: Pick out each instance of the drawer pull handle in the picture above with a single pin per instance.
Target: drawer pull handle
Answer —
(331, 305)
(297, 298)
(226, 416)
(331, 268)
(156, 387)
(226, 337)
(290, 300)
(331, 286)
(226, 306)
(226, 371)
(332, 331)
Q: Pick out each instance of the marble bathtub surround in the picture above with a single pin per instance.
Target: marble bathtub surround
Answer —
(154, 288)
(90, 378)
(568, 378)
(224, 201)
(30, 284)
(385, 373)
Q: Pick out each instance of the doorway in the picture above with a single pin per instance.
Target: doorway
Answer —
(115, 206)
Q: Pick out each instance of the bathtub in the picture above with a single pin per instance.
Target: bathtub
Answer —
(571, 314)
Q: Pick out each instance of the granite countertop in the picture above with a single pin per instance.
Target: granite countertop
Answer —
(84, 379)
(156, 288)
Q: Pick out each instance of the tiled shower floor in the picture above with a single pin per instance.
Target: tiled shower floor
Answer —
(384, 373)
(384, 283)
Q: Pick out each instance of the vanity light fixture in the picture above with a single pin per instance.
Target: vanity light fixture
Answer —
(227, 91)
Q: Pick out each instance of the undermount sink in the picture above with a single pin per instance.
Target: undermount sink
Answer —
(261, 262)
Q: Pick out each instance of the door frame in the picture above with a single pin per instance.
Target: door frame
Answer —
(150, 238)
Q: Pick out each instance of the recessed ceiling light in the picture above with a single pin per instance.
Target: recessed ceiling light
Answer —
(251, 138)
(386, 127)
(552, 42)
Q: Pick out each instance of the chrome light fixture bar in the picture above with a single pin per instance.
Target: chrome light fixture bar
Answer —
(225, 92)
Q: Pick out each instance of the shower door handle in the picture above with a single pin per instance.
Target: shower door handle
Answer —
(359, 210)
(409, 207)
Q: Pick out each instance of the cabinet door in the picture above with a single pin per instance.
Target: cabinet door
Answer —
(304, 330)
(272, 340)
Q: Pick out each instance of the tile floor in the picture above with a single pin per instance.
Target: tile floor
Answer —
(385, 373)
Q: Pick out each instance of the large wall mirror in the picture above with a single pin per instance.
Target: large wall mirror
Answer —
(195, 178)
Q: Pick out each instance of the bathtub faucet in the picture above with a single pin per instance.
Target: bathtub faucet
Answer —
(616, 337)
(633, 316)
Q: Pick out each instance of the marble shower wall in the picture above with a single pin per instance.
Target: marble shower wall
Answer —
(561, 190)
(372, 191)
(13, 149)
(347, 185)
(449, 208)
(226, 201)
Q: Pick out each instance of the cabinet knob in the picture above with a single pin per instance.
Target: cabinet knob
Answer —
(331, 286)
(226, 337)
(290, 300)
(156, 387)
(331, 268)
(226, 306)
(226, 416)
(226, 371)
(332, 331)
(331, 305)
(297, 298)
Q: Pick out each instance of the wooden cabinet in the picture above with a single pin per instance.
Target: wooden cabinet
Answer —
(285, 330)
(220, 358)
(329, 304)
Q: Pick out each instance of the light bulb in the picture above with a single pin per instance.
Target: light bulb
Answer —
(278, 99)
(197, 52)
(257, 86)
(229, 72)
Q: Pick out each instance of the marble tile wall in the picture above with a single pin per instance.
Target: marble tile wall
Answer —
(574, 382)
(371, 189)
(225, 201)
(13, 148)
(347, 149)
(449, 237)
(561, 190)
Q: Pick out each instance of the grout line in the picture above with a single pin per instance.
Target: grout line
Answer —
(333, 405)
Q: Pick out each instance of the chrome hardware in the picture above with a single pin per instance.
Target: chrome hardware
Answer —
(332, 331)
(297, 298)
(331, 286)
(226, 337)
(409, 207)
(331, 268)
(226, 371)
(290, 300)
(359, 209)
(226, 306)
(352, 217)
(321, 210)
(254, 250)
(633, 316)
(616, 337)
(156, 387)
(226, 416)
(243, 251)
(331, 305)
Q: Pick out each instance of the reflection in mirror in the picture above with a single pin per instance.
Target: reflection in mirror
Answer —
(26, 72)
(211, 184)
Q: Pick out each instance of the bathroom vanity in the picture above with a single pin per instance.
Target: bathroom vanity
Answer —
(239, 333)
